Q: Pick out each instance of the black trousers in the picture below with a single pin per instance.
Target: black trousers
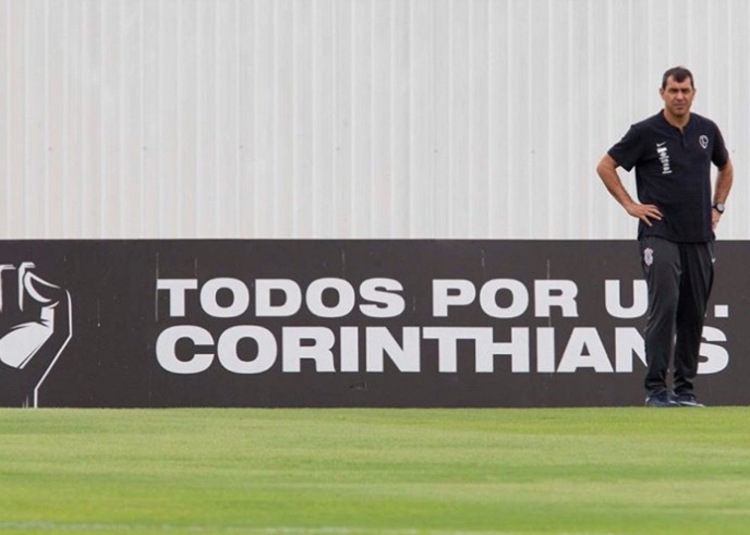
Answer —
(679, 277)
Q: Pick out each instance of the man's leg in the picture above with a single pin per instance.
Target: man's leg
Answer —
(660, 260)
(697, 280)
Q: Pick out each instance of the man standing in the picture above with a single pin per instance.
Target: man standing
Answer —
(672, 153)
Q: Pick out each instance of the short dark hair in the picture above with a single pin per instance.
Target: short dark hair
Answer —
(679, 74)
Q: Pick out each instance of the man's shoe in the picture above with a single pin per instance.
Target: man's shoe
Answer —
(661, 399)
(686, 400)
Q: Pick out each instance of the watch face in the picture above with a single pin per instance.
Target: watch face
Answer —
(719, 207)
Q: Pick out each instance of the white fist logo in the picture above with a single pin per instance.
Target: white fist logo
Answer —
(35, 327)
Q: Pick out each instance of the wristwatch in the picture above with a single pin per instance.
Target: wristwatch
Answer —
(719, 207)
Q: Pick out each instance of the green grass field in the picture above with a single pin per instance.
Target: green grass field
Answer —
(353, 471)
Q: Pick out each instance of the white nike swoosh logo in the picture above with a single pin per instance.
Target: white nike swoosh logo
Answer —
(661, 144)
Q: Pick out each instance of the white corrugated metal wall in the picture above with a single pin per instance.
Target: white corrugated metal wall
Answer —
(346, 118)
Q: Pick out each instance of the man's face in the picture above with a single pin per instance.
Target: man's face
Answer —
(678, 96)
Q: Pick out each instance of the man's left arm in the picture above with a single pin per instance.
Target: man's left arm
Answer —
(724, 180)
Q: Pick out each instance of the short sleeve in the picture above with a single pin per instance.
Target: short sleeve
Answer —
(628, 150)
(720, 155)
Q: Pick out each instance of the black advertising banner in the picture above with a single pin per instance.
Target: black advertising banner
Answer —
(325, 323)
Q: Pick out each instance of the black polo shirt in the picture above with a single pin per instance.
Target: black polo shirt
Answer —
(673, 172)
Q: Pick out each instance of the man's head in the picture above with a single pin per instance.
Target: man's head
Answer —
(680, 74)
(677, 91)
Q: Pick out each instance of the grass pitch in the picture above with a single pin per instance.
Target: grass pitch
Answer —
(353, 471)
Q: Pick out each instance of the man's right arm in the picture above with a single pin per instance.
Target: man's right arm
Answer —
(607, 171)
